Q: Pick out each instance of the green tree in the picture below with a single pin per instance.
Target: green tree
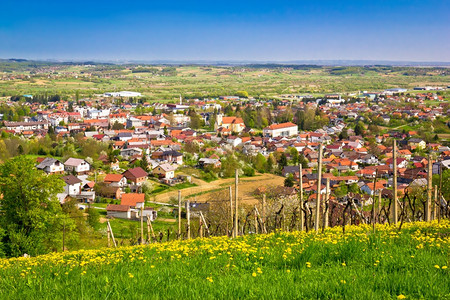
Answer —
(93, 218)
(289, 181)
(31, 212)
(359, 128)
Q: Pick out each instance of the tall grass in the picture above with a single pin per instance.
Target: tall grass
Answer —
(389, 264)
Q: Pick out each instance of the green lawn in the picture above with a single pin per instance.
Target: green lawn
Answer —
(409, 264)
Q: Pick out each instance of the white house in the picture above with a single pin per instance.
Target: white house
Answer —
(73, 185)
(51, 166)
(283, 129)
(79, 166)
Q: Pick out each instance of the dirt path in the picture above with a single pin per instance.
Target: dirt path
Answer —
(203, 189)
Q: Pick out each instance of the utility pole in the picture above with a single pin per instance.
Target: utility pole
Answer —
(188, 218)
(394, 161)
(319, 185)
(300, 182)
(236, 232)
(429, 189)
(179, 215)
(231, 211)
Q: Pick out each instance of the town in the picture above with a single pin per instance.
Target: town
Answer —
(129, 157)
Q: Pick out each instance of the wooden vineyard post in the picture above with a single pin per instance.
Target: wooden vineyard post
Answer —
(394, 161)
(429, 190)
(200, 229)
(109, 235)
(150, 228)
(204, 223)
(264, 218)
(142, 224)
(326, 204)
(188, 219)
(231, 211)
(319, 185)
(435, 201)
(300, 182)
(112, 234)
(236, 217)
(256, 220)
(179, 215)
(373, 199)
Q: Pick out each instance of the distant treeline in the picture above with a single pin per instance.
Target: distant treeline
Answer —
(43, 99)
(167, 71)
(283, 66)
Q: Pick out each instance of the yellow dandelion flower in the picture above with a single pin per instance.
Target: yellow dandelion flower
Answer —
(444, 267)
(401, 296)
(254, 274)
(288, 271)
(437, 266)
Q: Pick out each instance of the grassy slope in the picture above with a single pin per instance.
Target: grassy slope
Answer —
(359, 265)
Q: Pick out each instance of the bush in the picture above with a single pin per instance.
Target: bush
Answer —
(249, 171)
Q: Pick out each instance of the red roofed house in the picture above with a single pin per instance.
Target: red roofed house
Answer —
(115, 180)
(135, 175)
(283, 129)
(133, 199)
(118, 211)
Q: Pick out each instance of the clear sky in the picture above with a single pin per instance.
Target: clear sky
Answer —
(276, 30)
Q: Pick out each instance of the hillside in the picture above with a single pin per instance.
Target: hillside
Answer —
(411, 263)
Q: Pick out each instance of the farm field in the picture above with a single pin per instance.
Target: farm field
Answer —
(202, 192)
(213, 81)
(390, 264)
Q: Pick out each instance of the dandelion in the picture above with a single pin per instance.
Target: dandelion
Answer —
(254, 274)
(401, 296)
(343, 281)
(288, 271)
(209, 279)
(437, 266)
(308, 264)
(130, 275)
(344, 264)
(152, 266)
(444, 267)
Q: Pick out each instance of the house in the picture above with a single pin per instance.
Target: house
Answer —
(118, 211)
(165, 171)
(205, 162)
(51, 166)
(135, 200)
(130, 152)
(232, 124)
(113, 192)
(136, 175)
(76, 165)
(234, 140)
(417, 143)
(172, 156)
(401, 162)
(283, 129)
(73, 185)
(115, 180)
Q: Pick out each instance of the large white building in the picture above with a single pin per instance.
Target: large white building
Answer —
(283, 129)
(122, 94)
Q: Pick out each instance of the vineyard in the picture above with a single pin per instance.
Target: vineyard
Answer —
(363, 263)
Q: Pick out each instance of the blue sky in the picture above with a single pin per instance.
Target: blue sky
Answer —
(405, 30)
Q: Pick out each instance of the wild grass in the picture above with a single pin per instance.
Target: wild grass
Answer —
(389, 264)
